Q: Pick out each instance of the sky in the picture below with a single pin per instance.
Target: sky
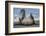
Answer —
(33, 11)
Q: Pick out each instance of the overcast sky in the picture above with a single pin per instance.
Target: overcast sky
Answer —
(34, 11)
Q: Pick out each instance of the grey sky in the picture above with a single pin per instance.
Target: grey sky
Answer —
(34, 11)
